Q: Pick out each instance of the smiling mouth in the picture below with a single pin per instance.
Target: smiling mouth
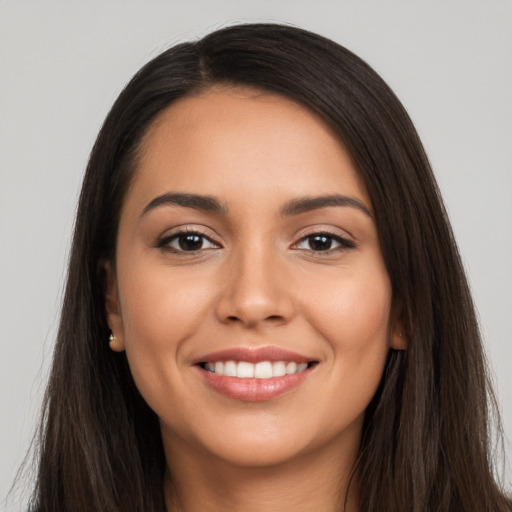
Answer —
(255, 374)
(259, 370)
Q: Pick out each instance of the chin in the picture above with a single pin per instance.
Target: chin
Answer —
(258, 451)
(259, 442)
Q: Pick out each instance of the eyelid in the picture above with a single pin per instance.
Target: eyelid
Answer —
(163, 241)
(345, 242)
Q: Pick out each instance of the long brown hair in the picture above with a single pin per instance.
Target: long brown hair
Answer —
(425, 443)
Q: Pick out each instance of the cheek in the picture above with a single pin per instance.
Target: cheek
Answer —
(353, 320)
(160, 312)
(163, 306)
(353, 316)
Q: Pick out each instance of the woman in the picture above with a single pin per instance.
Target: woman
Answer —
(261, 239)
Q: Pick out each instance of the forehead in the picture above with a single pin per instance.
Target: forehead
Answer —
(244, 141)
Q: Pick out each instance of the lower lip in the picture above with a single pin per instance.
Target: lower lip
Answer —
(254, 390)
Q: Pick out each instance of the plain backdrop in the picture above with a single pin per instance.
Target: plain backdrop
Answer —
(62, 63)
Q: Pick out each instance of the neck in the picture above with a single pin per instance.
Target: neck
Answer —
(307, 483)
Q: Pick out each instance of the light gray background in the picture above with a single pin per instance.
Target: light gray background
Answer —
(62, 63)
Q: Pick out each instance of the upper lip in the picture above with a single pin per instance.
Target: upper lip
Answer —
(253, 355)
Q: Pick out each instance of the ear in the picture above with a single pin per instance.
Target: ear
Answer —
(398, 339)
(113, 309)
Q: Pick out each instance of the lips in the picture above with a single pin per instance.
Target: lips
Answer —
(254, 374)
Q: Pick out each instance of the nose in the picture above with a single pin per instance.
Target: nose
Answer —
(256, 291)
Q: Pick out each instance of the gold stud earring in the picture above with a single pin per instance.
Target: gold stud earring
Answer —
(114, 343)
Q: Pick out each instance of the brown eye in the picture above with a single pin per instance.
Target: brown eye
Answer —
(323, 242)
(320, 242)
(187, 242)
(190, 242)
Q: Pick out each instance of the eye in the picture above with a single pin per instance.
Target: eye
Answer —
(187, 241)
(324, 242)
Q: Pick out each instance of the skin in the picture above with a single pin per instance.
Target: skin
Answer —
(256, 282)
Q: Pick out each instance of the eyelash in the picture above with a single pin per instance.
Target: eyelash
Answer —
(344, 244)
(165, 242)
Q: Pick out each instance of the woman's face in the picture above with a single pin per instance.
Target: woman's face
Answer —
(250, 292)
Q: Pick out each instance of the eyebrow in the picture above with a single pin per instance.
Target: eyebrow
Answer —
(294, 207)
(307, 204)
(195, 201)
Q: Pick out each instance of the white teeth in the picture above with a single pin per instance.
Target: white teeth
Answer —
(301, 367)
(245, 370)
(261, 370)
(291, 368)
(230, 369)
(278, 369)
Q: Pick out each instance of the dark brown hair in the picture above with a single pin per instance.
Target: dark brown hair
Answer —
(425, 443)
